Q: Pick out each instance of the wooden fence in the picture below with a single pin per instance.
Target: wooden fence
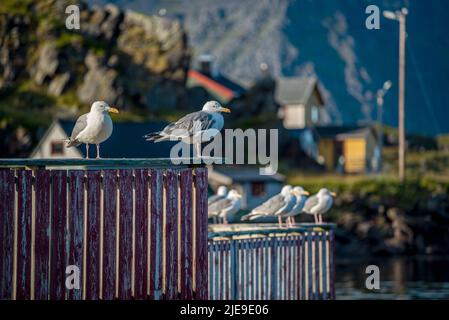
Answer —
(133, 232)
(272, 264)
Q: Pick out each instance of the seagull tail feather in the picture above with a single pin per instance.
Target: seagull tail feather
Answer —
(152, 136)
(72, 143)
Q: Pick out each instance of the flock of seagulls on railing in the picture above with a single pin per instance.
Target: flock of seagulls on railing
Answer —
(289, 203)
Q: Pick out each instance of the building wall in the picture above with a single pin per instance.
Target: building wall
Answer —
(327, 150)
(314, 101)
(354, 151)
(294, 116)
(249, 201)
(55, 135)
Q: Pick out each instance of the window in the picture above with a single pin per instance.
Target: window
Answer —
(258, 189)
(315, 115)
(57, 148)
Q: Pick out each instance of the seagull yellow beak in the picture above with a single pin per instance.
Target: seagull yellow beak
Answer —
(333, 194)
(113, 110)
(305, 193)
(227, 110)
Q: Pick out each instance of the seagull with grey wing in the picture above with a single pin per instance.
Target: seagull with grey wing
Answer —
(275, 206)
(193, 128)
(94, 127)
(222, 191)
(227, 207)
(319, 204)
(300, 197)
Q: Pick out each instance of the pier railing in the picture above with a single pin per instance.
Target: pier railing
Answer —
(134, 228)
(263, 262)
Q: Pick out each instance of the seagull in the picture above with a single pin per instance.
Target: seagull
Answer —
(300, 196)
(319, 204)
(275, 206)
(222, 191)
(226, 207)
(193, 128)
(94, 127)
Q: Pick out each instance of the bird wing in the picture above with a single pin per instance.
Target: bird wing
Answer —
(270, 206)
(192, 122)
(219, 206)
(214, 198)
(310, 203)
(80, 124)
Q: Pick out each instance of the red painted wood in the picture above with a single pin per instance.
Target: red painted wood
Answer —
(76, 227)
(58, 260)
(186, 234)
(6, 232)
(171, 232)
(42, 237)
(93, 186)
(156, 235)
(141, 242)
(24, 207)
(109, 233)
(125, 236)
(201, 232)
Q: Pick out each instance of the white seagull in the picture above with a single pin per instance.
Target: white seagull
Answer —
(227, 207)
(94, 127)
(222, 191)
(319, 204)
(275, 206)
(301, 197)
(193, 128)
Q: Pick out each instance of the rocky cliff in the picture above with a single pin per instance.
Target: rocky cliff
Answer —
(134, 61)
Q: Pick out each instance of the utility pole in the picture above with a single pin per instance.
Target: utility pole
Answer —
(400, 16)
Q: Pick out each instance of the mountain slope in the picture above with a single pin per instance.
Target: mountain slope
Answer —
(327, 38)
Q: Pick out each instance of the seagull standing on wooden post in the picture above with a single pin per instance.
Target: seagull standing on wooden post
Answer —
(301, 197)
(193, 128)
(94, 127)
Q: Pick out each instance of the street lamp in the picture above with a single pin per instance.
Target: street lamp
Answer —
(380, 103)
(400, 16)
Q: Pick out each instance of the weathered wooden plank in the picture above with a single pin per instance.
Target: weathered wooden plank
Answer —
(24, 208)
(201, 232)
(234, 269)
(141, 232)
(156, 234)
(109, 234)
(42, 235)
(186, 234)
(6, 232)
(58, 259)
(126, 234)
(76, 227)
(274, 268)
(216, 269)
(93, 185)
(222, 269)
(211, 270)
(332, 264)
(171, 232)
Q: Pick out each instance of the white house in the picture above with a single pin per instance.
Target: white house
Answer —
(125, 142)
(254, 187)
(301, 102)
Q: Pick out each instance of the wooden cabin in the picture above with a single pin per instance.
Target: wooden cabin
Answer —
(301, 102)
(347, 149)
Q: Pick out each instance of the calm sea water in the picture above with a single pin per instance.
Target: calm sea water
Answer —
(400, 278)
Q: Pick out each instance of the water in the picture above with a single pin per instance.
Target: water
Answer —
(400, 278)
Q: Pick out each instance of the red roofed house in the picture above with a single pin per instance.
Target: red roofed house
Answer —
(217, 86)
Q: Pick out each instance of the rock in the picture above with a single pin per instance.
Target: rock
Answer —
(47, 64)
(59, 84)
(98, 83)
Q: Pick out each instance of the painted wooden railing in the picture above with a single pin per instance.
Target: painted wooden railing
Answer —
(269, 263)
(135, 228)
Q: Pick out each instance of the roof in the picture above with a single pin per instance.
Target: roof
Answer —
(296, 90)
(246, 173)
(220, 86)
(126, 140)
(342, 132)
